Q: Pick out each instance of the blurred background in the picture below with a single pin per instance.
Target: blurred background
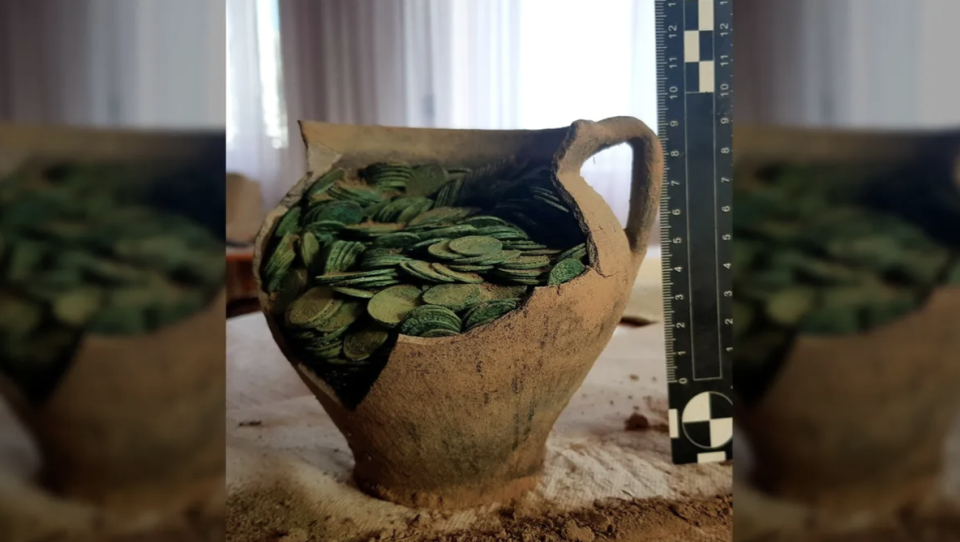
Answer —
(499, 64)
(454, 63)
(882, 64)
(153, 64)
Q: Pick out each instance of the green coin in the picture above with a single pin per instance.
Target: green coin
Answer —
(456, 230)
(362, 344)
(449, 194)
(442, 251)
(487, 312)
(326, 350)
(371, 262)
(369, 282)
(396, 240)
(577, 253)
(290, 289)
(445, 215)
(467, 278)
(469, 268)
(423, 271)
(343, 212)
(454, 296)
(527, 262)
(788, 307)
(18, 316)
(426, 244)
(364, 195)
(324, 229)
(426, 180)
(428, 317)
(346, 314)
(359, 293)
(414, 210)
(309, 248)
(316, 305)
(475, 245)
(392, 305)
(503, 233)
(289, 223)
(565, 270)
(76, 307)
(500, 291)
(322, 184)
(523, 273)
(373, 230)
(341, 256)
(276, 267)
(342, 276)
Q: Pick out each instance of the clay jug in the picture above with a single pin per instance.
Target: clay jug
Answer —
(859, 423)
(461, 421)
(135, 424)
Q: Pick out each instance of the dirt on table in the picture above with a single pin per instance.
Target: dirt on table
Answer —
(612, 520)
(639, 422)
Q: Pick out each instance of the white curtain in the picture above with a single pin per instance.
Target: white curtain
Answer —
(494, 64)
(849, 63)
(145, 64)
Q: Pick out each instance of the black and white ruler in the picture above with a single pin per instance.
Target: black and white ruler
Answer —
(695, 76)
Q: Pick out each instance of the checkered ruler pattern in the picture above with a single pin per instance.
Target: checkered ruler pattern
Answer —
(698, 46)
(705, 422)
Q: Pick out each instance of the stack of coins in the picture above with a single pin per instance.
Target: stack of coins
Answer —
(418, 250)
(78, 256)
(810, 259)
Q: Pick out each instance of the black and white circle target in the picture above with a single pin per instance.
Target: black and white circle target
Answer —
(707, 420)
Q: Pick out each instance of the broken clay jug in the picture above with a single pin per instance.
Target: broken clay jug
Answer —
(462, 420)
(870, 437)
(126, 422)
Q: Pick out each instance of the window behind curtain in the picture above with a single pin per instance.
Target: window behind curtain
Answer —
(495, 64)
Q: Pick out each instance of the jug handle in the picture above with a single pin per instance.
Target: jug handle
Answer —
(587, 138)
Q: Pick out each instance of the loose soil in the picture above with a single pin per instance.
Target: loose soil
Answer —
(692, 520)
(639, 422)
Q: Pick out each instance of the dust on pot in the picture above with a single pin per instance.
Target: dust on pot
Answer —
(444, 292)
(109, 312)
(848, 356)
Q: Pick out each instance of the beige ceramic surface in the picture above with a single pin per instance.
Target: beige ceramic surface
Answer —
(496, 391)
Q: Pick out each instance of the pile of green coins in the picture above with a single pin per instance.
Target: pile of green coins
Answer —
(809, 260)
(79, 256)
(417, 250)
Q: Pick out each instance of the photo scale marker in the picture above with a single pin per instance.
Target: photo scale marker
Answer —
(694, 77)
